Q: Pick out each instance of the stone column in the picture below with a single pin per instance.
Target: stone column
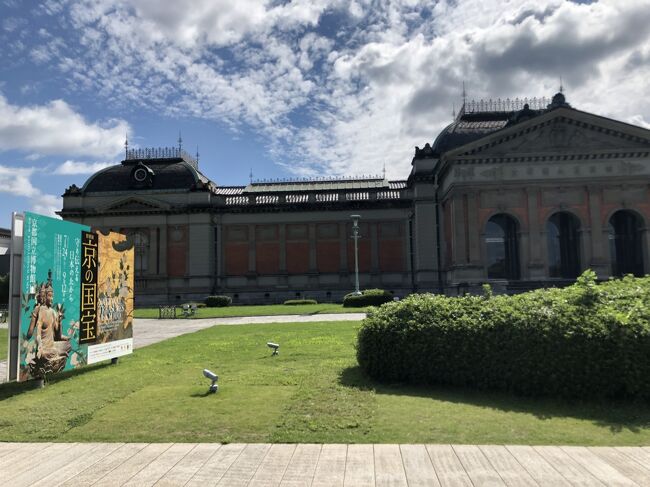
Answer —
(251, 250)
(600, 261)
(343, 246)
(153, 248)
(645, 248)
(374, 247)
(424, 237)
(474, 235)
(218, 258)
(459, 251)
(523, 240)
(375, 275)
(200, 243)
(163, 250)
(584, 236)
(536, 237)
(407, 245)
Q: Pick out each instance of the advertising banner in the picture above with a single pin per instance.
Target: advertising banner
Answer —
(76, 304)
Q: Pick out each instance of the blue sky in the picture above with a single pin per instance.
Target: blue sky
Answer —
(288, 88)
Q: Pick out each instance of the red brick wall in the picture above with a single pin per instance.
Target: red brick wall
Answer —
(236, 258)
(364, 256)
(328, 256)
(267, 257)
(177, 244)
(298, 257)
(391, 255)
(236, 250)
(391, 247)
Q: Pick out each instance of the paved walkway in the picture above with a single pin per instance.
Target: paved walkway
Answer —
(236, 464)
(149, 331)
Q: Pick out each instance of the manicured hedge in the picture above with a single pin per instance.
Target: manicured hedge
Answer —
(294, 302)
(368, 297)
(586, 340)
(218, 301)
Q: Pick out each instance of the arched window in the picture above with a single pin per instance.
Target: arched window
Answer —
(625, 245)
(563, 246)
(501, 247)
(141, 250)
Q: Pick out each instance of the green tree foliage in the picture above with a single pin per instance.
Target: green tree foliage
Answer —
(586, 340)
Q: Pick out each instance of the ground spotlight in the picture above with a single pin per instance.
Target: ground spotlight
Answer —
(213, 377)
(274, 347)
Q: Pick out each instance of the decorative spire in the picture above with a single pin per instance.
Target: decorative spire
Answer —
(561, 85)
(180, 141)
(464, 94)
(126, 145)
(197, 154)
(250, 176)
(384, 170)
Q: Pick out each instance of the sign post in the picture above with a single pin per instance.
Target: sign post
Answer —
(71, 297)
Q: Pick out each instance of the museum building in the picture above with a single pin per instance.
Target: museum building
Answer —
(515, 193)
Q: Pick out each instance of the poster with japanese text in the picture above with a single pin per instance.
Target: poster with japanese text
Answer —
(76, 297)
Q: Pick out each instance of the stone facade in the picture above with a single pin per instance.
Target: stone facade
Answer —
(518, 198)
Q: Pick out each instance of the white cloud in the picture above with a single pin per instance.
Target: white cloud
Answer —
(16, 181)
(75, 167)
(191, 23)
(56, 128)
(47, 204)
(377, 80)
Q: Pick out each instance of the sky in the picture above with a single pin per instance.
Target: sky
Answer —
(288, 89)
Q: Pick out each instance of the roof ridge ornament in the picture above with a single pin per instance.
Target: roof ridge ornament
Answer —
(160, 153)
(558, 101)
(464, 94)
(505, 105)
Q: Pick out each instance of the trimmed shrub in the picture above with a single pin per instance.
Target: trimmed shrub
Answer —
(586, 340)
(293, 302)
(218, 301)
(368, 297)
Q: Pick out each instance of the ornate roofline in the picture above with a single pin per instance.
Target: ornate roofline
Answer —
(161, 154)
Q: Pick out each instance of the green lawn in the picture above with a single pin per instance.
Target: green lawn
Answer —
(3, 343)
(258, 310)
(311, 392)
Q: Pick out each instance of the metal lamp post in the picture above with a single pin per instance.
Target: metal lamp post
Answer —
(356, 236)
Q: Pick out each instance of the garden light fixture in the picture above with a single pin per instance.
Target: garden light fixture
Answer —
(274, 347)
(213, 377)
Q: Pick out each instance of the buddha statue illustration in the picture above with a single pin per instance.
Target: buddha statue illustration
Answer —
(52, 348)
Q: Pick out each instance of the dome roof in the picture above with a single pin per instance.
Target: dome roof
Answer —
(157, 175)
(467, 128)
